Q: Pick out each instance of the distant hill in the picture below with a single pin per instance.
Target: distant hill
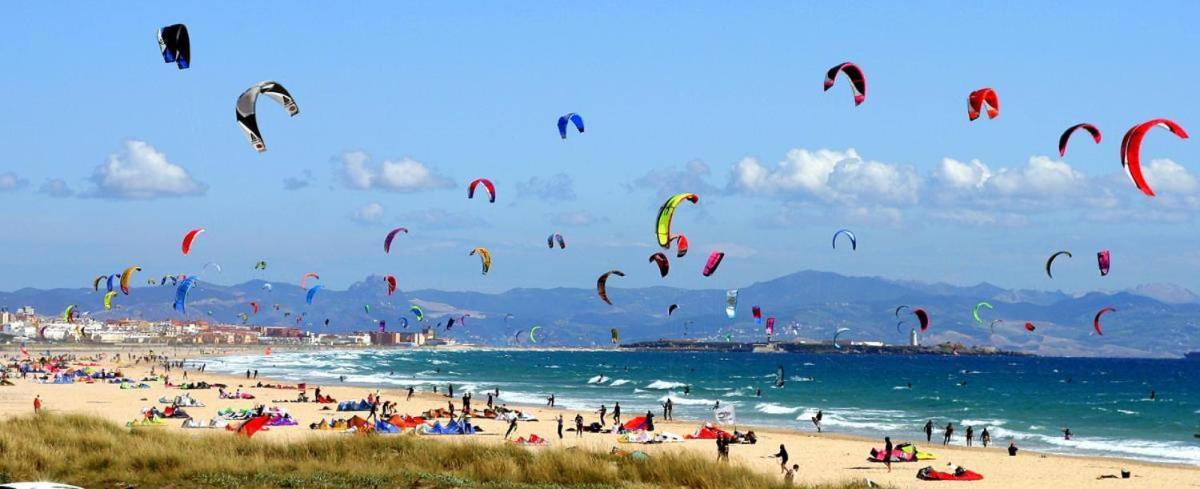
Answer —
(1153, 320)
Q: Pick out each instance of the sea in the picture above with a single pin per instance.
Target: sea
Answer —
(1104, 401)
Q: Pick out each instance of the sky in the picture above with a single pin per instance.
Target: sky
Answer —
(109, 155)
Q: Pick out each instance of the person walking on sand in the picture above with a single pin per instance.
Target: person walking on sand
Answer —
(985, 437)
(949, 434)
(37, 404)
(616, 413)
(970, 435)
(782, 455)
(550, 401)
(256, 373)
(247, 372)
(512, 427)
(603, 412)
(929, 431)
(816, 420)
(578, 426)
(887, 452)
(560, 423)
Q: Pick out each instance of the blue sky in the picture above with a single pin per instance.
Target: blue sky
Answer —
(111, 155)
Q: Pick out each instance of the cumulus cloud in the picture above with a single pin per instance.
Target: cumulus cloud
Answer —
(142, 172)
(368, 214)
(576, 218)
(56, 187)
(404, 175)
(555, 188)
(297, 183)
(1042, 184)
(828, 175)
(441, 219)
(10, 181)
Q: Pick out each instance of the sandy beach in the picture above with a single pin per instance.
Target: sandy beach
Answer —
(823, 458)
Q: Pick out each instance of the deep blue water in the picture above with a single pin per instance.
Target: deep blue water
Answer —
(1105, 402)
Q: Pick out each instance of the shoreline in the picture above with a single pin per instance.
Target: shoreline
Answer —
(840, 456)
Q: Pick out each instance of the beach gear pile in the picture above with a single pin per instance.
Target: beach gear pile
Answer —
(532, 441)
(708, 432)
(958, 474)
(904, 452)
(359, 405)
(646, 437)
(451, 428)
(181, 401)
(215, 423)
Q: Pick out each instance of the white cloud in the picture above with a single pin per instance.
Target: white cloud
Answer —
(56, 187)
(1042, 184)
(368, 214)
(1167, 177)
(404, 175)
(10, 181)
(829, 175)
(142, 172)
(576, 218)
(557, 187)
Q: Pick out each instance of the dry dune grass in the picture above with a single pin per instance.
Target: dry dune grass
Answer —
(95, 453)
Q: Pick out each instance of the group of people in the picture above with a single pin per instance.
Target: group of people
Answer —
(985, 437)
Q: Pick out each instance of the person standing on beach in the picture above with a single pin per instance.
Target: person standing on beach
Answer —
(887, 452)
(255, 373)
(985, 437)
(782, 455)
(247, 372)
(450, 390)
(489, 400)
(816, 420)
(37, 404)
(560, 423)
(929, 431)
(373, 414)
(970, 435)
(603, 412)
(949, 433)
(649, 421)
(410, 394)
(616, 413)
(578, 425)
(512, 427)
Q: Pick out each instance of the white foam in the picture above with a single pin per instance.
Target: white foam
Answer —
(665, 385)
(772, 408)
(599, 379)
(619, 382)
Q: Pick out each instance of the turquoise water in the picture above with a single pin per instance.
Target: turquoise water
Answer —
(1026, 399)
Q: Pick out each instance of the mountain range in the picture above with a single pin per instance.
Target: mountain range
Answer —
(1155, 320)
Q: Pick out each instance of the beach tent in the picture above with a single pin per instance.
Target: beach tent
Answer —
(708, 432)
(637, 423)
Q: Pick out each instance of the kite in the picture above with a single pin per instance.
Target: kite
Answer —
(307, 276)
(267, 287)
(96, 283)
(771, 326)
(550, 240)
(404, 323)
(1051, 261)
(660, 259)
(387, 241)
(602, 284)
(922, 317)
(211, 264)
(836, 334)
(181, 294)
(616, 336)
(247, 105)
(391, 283)
(176, 45)
(714, 261)
(975, 311)
(188, 238)
(1066, 135)
(849, 234)
(125, 276)
(671, 309)
(532, 338)
(1104, 260)
(992, 326)
(731, 303)
(573, 118)
(681, 245)
(485, 258)
(756, 312)
(1096, 320)
(666, 213)
(68, 314)
(416, 310)
(308, 298)
(1029, 326)
(261, 265)
(254, 306)
(1131, 149)
(858, 81)
(978, 99)
(487, 184)
(108, 297)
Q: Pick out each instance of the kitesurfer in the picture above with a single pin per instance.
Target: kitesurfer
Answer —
(928, 431)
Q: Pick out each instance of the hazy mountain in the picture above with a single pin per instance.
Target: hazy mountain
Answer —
(1152, 320)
